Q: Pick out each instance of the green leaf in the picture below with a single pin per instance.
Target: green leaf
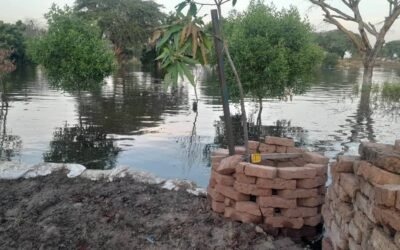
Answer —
(188, 74)
(180, 6)
(192, 10)
(234, 2)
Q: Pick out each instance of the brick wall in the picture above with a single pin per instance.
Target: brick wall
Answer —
(362, 206)
(283, 193)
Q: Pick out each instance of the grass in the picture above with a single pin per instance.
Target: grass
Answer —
(391, 92)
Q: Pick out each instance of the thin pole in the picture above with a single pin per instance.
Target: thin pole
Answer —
(219, 47)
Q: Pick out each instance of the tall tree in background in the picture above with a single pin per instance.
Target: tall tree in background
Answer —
(392, 50)
(12, 39)
(74, 55)
(352, 13)
(335, 41)
(126, 23)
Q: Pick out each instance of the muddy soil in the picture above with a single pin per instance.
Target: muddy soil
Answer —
(55, 212)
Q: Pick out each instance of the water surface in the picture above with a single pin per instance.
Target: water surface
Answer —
(134, 121)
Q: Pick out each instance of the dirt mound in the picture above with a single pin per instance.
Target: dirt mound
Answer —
(55, 212)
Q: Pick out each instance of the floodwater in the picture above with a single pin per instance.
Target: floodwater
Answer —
(134, 121)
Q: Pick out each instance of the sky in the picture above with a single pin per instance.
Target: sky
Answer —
(373, 11)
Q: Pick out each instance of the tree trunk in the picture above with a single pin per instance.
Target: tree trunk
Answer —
(368, 72)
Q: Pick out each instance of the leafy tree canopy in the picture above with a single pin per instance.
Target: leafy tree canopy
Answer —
(335, 41)
(72, 51)
(126, 23)
(11, 38)
(391, 49)
(273, 50)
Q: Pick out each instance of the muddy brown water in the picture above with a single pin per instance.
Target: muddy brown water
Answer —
(133, 121)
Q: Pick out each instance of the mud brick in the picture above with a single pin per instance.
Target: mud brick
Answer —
(287, 142)
(225, 180)
(376, 175)
(312, 183)
(313, 220)
(245, 188)
(284, 222)
(276, 183)
(228, 165)
(353, 245)
(212, 181)
(299, 212)
(260, 171)
(240, 167)
(229, 202)
(363, 204)
(253, 145)
(337, 236)
(251, 189)
(298, 193)
(345, 164)
(281, 149)
(311, 202)
(321, 169)
(221, 152)
(322, 190)
(315, 158)
(216, 159)
(276, 202)
(262, 192)
(242, 178)
(327, 215)
(366, 188)
(388, 217)
(241, 216)
(291, 173)
(382, 155)
(267, 211)
(345, 211)
(215, 196)
(294, 150)
(218, 207)
(379, 240)
(362, 222)
(327, 244)
(342, 195)
(230, 192)
(356, 164)
(386, 195)
(248, 207)
(264, 148)
(299, 161)
(270, 163)
(355, 232)
(331, 193)
(349, 183)
(286, 164)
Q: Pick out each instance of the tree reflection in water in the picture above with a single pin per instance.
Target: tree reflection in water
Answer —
(10, 145)
(84, 144)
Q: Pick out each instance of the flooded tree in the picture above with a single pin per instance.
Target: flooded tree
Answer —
(350, 12)
(272, 62)
(72, 52)
(126, 23)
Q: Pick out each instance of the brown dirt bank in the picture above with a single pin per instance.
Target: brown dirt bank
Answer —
(55, 212)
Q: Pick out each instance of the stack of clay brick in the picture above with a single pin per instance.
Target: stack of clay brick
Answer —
(362, 207)
(283, 193)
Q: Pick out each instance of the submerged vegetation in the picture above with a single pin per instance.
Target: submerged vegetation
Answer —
(74, 55)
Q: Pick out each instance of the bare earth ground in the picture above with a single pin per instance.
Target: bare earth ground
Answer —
(55, 212)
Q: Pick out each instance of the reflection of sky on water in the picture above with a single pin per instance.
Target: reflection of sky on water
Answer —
(156, 130)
